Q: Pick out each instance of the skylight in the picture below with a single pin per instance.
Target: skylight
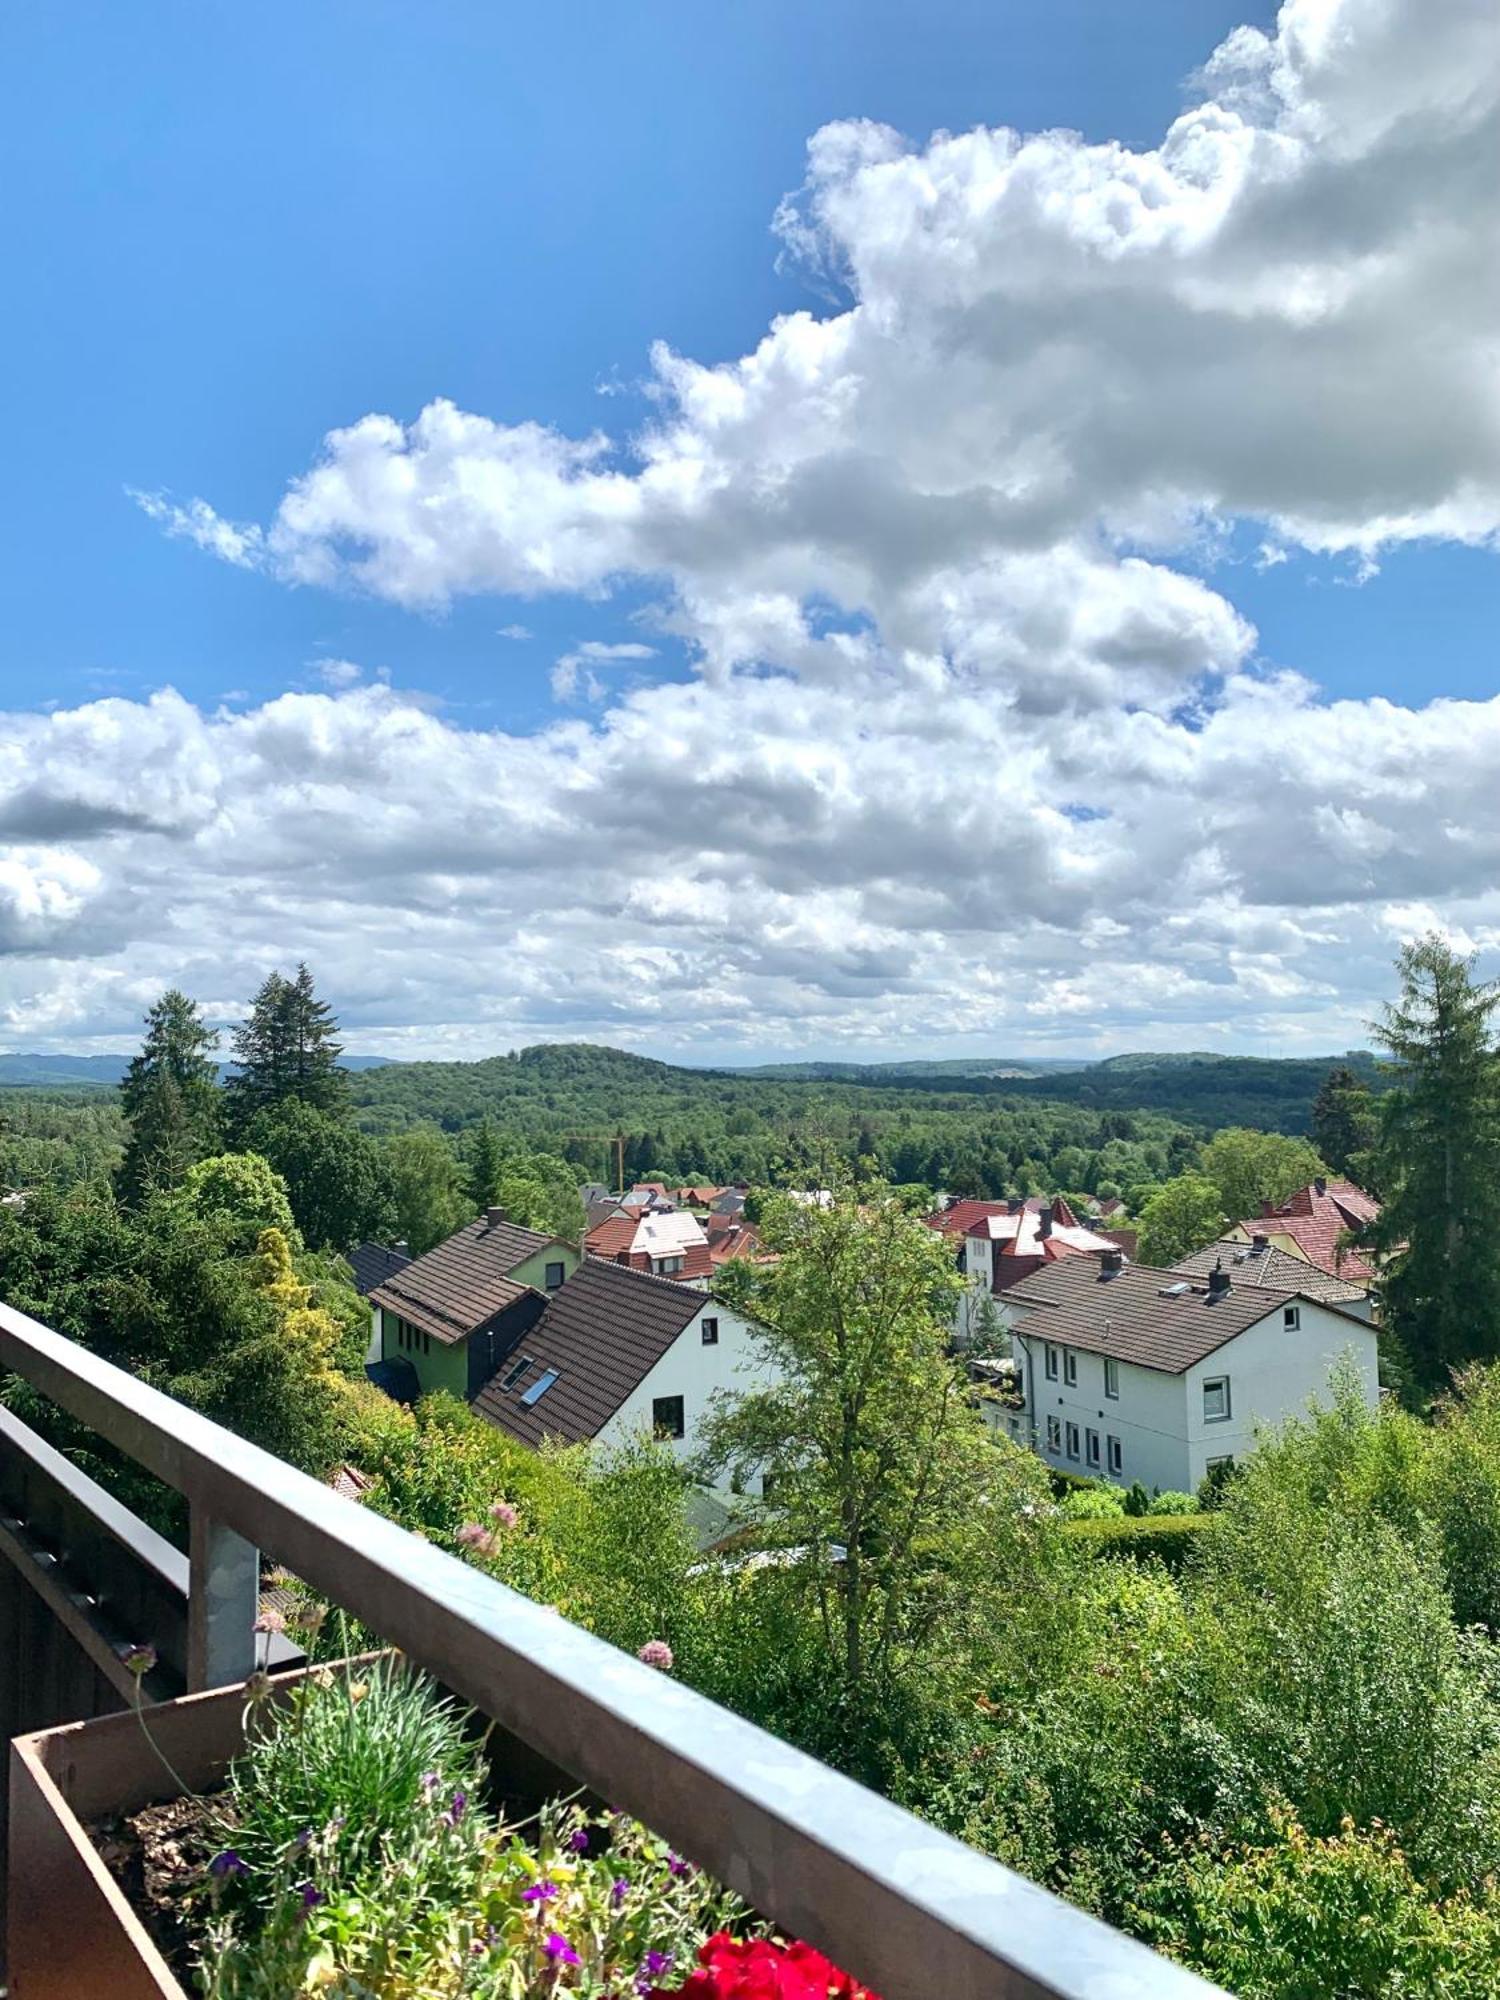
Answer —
(514, 1374)
(539, 1387)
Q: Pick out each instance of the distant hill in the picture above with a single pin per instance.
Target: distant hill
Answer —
(897, 1072)
(1276, 1093)
(20, 1071)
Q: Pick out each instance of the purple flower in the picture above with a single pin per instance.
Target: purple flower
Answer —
(227, 1862)
(560, 1951)
(430, 1782)
(578, 1840)
(677, 1866)
(619, 1889)
(657, 1653)
(303, 1838)
(311, 1897)
(539, 1892)
(656, 1963)
(457, 1809)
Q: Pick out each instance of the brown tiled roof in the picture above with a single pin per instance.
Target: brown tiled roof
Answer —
(463, 1282)
(604, 1330)
(373, 1263)
(1270, 1268)
(1132, 1317)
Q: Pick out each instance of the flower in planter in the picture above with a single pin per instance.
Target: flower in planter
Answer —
(578, 1840)
(762, 1969)
(138, 1660)
(270, 1620)
(226, 1862)
(560, 1951)
(539, 1892)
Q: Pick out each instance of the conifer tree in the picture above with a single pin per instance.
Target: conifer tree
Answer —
(486, 1167)
(286, 1049)
(169, 1095)
(1343, 1121)
(1438, 1163)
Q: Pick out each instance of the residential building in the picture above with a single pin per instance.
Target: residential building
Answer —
(619, 1353)
(1003, 1243)
(1260, 1263)
(373, 1263)
(1313, 1224)
(730, 1239)
(447, 1319)
(671, 1243)
(1131, 1373)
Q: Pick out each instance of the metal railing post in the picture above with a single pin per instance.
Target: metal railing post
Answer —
(223, 1601)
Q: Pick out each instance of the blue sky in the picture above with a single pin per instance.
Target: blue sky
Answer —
(232, 229)
(1078, 445)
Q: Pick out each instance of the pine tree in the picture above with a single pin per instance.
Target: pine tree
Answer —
(1438, 1162)
(286, 1049)
(169, 1095)
(486, 1167)
(1343, 1120)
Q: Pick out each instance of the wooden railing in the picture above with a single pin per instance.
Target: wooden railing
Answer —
(916, 1914)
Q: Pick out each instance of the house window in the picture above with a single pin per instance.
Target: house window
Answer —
(1291, 1318)
(539, 1387)
(515, 1372)
(1070, 1368)
(1091, 1447)
(666, 1416)
(1216, 1399)
(1072, 1436)
(710, 1333)
(669, 1266)
(554, 1276)
(1111, 1378)
(1116, 1458)
(1051, 1354)
(1054, 1434)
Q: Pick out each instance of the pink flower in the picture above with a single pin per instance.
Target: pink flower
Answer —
(270, 1620)
(472, 1535)
(504, 1514)
(657, 1653)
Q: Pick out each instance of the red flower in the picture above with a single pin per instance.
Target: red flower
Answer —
(763, 1969)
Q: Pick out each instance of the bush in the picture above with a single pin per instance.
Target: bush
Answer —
(1094, 1503)
(1168, 1538)
(1174, 1503)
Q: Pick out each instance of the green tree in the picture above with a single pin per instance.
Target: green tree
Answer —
(426, 1187)
(897, 1512)
(1249, 1168)
(337, 1177)
(240, 1194)
(169, 1094)
(486, 1163)
(286, 1048)
(1438, 1164)
(1344, 1122)
(1180, 1218)
(540, 1192)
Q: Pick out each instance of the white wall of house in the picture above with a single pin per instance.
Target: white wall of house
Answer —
(1159, 1422)
(696, 1373)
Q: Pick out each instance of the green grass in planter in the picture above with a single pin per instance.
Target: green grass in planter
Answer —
(353, 1760)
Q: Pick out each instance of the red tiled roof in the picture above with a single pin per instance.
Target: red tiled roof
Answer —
(611, 1237)
(1314, 1219)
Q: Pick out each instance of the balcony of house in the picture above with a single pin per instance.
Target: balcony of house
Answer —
(900, 1905)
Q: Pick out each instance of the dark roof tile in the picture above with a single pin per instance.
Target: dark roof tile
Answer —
(463, 1282)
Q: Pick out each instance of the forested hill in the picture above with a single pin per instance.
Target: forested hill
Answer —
(1271, 1092)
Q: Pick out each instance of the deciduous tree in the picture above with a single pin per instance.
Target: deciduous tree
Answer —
(1180, 1218)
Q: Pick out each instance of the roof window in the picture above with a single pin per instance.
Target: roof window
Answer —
(539, 1387)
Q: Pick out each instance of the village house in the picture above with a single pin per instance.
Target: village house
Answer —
(1260, 1263)
(1313, 1225)
(1127, 1373)
(670, 1243)
(447, 1319)
(1000, 1243)
(618, 1353)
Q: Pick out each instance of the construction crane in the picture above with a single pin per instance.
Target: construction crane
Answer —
(614, 1139)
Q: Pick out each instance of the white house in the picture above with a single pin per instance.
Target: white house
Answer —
(1130, 1373)
(620, 1353)
(1003, 1244)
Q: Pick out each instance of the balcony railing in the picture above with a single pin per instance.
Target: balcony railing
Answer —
(915, 1913)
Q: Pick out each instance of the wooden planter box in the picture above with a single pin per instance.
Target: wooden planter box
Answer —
(72, 1934)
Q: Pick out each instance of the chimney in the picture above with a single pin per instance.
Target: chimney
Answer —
(1111, 1263)
(1218, 1284)
(1260, 1243)
(1044, 1222)
(493, 1217)
(401, 1245)
(1014, 1204)
(1320, 1186)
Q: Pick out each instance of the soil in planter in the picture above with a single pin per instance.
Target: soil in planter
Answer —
(155, 1855)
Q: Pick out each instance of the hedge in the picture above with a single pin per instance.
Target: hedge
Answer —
(1167, 1537)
